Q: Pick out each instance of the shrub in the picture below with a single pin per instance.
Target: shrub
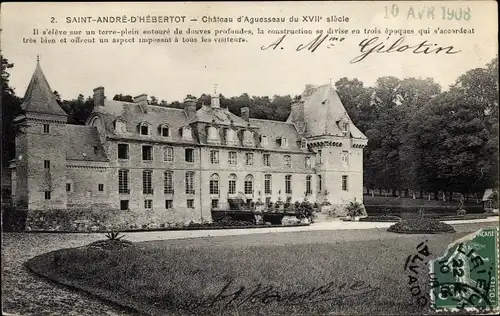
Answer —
(305, 210)
(382, 218)
(421, 225)
(13, 219)
(354, 209)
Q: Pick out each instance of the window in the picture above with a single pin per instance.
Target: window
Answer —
(165, 130)
(345, 157)
(263, 140)
(123, 181)
(288, 161)
(189, 155)
(345, 185)
(46, 164)
(189, 182)
(215, 203)
(190, 203)
(303, 143)
(265, 160)
(68, 187)
(123, 205)
(168, 185)
(186, 133)
(320, 183)
(249, 159)
(147, 153)
(148, 204)
(168, 154)
(232, 184)
(144, 129)
(147, 182)
(169, 204)
(46, 128)
(308, 185)
(100, 187)
(320, 156)
(214, 184)
(122, 151)
(284, 142)
(345, 128)
(307, 162)
(288, 184)
(232, 158)
(214, 157)
(47, 195)
(267, 184)
(249, 184)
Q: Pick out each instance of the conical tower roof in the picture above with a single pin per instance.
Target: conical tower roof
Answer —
(323, 110)
(39, 97)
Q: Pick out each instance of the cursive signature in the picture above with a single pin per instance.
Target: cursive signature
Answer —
(261, 294)
(374, 45)
(326, 40)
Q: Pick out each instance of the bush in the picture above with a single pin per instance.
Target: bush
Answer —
(354, 209)
(383, 218)
(421, 225)
(305, 210)
(13, 219)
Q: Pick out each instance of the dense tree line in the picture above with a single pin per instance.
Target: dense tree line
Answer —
(421, 139)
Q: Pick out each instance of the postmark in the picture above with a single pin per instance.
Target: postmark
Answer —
(465, 278)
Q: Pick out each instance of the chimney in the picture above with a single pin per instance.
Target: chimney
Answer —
(141, 99)
(190, 106)
(99, 96)
(245, 113)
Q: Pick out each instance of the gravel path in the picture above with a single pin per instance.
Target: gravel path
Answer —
(24, 294)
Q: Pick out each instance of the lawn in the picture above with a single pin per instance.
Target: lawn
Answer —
(324, 272)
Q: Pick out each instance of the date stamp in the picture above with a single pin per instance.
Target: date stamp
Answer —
(423, 12)
(466, 277)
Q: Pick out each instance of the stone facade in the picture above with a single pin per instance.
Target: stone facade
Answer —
(175, 165)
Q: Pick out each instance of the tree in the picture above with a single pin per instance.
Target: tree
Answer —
(11, 108)
(78, 109)
(123, 98)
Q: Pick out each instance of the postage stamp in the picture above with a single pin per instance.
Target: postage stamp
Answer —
(466, 276)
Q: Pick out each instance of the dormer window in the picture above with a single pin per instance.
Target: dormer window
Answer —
(143, 128)
(263, 140)
(303, 143)
(284, 142)
(120, 126)
(345, 128)
(231, 137)
(213, 134)
(164, 130)
(186, 133)
(248, 138)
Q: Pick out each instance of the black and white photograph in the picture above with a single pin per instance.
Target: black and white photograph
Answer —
(250, 158)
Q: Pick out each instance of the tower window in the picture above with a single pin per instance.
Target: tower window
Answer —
(307, 162)
(144, 129)
(232, 158)
(47, 195)
(148, 204)
(46, 128)
(168, 183)
(249, 159)
(165, 130)
(169, 204)
(100, 187)
(345, 184)
(46, 164)
(320, 183)
(215, 203)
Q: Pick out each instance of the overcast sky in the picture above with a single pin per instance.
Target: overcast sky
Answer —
(169, 71)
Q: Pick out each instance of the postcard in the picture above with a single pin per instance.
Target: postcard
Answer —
(250, 158)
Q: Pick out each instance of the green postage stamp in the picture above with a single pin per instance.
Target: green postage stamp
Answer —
(466, 276)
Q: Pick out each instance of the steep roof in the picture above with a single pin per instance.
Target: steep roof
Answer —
(83, 143)
(323, 109)
(221, 116)
(275, 130)
(39, 97)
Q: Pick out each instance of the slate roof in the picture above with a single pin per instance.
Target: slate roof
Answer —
(221, 116)
(83, 143)
(39, 97)
(323, 109)
(275, 130)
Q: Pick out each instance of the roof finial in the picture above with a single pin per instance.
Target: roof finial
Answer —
(330, 80)
(37, 58)
(215, 89)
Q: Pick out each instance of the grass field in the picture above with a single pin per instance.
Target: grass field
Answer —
(324, 272)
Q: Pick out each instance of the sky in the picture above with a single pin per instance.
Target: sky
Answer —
(170, 71)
